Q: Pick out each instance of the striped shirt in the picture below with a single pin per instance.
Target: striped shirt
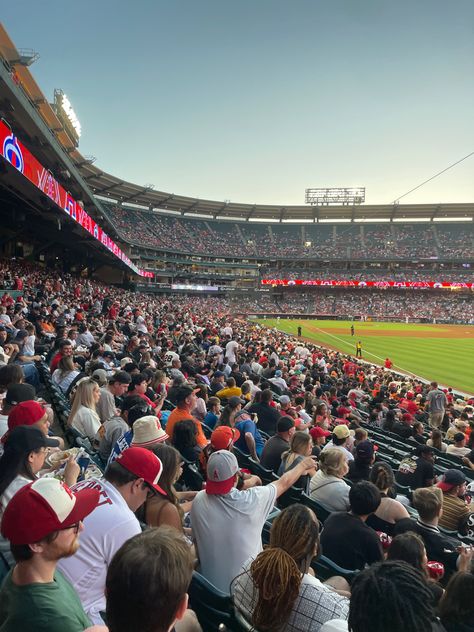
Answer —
(454, 510)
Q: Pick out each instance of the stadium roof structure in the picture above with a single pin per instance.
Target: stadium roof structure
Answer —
(108, 187)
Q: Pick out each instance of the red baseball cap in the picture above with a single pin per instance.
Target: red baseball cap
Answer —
(45, 506)
(25, 414)
(407, 417)
(342, 410)
(318, 432)
(144, 464)
(224, 437)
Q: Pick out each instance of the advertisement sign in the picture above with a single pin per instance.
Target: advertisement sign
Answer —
(20, 157)
(377, 284)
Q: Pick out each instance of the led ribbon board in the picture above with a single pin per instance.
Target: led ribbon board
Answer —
(23, 160)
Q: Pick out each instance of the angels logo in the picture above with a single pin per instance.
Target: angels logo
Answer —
(12, 153)
(96, 231)
(362, 284)
(291, 282)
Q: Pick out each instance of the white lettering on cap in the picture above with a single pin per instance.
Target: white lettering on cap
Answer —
(58, 496)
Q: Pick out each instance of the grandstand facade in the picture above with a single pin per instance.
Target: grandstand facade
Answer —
(269, 258)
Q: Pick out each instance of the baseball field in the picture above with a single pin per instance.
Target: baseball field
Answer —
(434, 352)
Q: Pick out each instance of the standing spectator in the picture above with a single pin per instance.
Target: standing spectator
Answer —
(42, 522)
(225, 519)
(125, 487)
(435, 405)
(346, 539)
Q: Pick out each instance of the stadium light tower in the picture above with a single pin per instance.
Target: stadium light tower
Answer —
(347, 196)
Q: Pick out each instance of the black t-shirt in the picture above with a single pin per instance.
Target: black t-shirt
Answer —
(358, 471)
(267, 417)
(349, 542)
(402, 430)
(271, 455)
(439, 547)
(415, 471)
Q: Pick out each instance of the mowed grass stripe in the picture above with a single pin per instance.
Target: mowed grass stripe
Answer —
(447, 360)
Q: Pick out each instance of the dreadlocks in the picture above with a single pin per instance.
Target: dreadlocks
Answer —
(277, 572)
(390, 596)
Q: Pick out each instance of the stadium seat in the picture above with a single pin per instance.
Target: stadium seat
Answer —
(212, 607)
(321, 512)
(324, 568)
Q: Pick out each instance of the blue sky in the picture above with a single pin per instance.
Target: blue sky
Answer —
(255, 100)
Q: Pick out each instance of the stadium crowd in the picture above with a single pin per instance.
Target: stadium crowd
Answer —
(199, 433)
(231, 239)
(391, 304)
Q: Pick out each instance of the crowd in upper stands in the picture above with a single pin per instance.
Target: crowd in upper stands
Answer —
(202, 437)
(353, 242)
(392, 304)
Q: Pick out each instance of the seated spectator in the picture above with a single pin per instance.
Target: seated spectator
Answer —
(456, 609)
(185, 440)
(65, 349)
(455, 508)
(230, 390)
(364, 457)
(410, 548)
(165, 509)
(417, 470)
(429, 504)
(390, 510)
(83, 416)
(341, 440)
(346, 538)
(35, 597)
(31, 413)
(133, 408)
(459, 425)
(301, 446)
(459, 447)
(65, 374)
(116, 389)
(418, 430)
(319, 437)
(140, 574)
(213, 412)
(267, 415)
(123, 490)
(200, 410)
(279, 443)
(327, 486)
(22, 460)
(15, 394)
(404, 426)
(250, 440)
(185, 403)
(436, 440)
(138, 386)
(276, 590)
(390, 596)
(225, 519)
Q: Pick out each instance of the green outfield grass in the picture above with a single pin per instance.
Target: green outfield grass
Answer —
(441, 352)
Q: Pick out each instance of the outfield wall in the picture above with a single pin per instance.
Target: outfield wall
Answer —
(355, 317)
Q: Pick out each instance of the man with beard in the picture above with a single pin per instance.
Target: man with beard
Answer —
(42, 522)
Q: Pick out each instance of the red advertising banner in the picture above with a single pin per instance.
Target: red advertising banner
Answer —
(376, 284)
(23, 160)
